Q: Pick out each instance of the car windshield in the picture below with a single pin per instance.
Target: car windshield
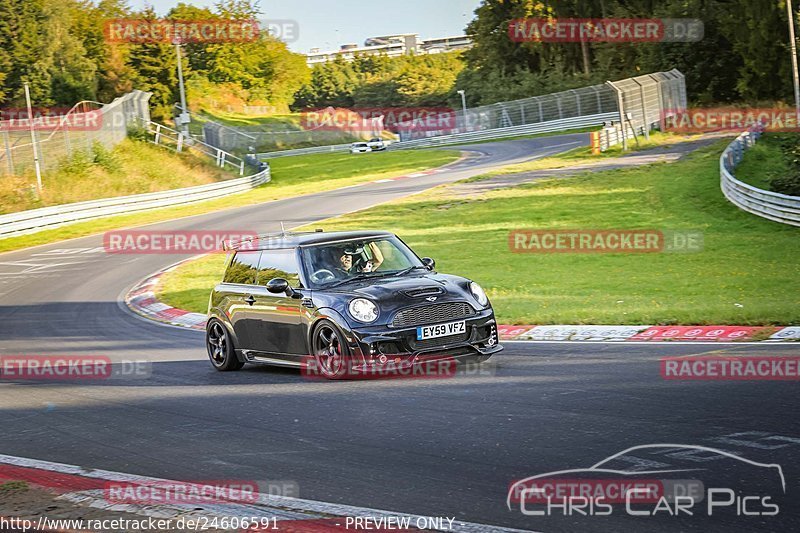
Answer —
(336, 263)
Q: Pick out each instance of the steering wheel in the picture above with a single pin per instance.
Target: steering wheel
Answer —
(322, 275)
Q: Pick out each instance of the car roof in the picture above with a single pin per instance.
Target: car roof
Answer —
(293, 240)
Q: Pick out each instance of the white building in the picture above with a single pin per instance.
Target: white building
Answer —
(391, 46)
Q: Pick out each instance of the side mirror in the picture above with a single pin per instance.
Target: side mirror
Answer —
(277, 285)
(429, 263)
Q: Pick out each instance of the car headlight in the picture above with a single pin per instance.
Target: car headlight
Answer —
(363, 310)
(478, 293)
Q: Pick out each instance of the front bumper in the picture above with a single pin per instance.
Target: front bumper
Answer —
(377, 345)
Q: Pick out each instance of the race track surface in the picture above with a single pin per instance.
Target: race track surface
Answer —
(449, 447)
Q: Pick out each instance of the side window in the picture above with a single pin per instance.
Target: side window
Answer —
(279, 264)
(243, 268)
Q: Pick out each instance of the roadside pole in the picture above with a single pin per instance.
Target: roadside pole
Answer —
(39, 185)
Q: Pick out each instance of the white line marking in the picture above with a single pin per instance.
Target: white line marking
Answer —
(285, 503)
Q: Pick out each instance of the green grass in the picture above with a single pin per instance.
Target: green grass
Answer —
(763, 162)
(746, 273)
(291, 176)
(13, 486)
(132, 167)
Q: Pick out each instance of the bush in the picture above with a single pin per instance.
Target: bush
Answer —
(106, 158)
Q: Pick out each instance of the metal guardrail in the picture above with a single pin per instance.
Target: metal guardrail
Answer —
(34, 220)
(303, 151)
(499, 133)
(766, 204)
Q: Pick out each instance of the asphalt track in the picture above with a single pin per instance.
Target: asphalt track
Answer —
(447, 447)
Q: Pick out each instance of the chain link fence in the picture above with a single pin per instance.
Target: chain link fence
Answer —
(641, 103)
(638, 104)
(330, 126)
(58, 138)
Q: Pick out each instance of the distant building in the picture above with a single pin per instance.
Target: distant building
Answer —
(391, 46)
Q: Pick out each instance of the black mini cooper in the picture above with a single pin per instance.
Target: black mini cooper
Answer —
(343, 302)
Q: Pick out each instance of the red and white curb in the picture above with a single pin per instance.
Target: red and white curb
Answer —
(87, 487)
(649, 333)
(142, 300)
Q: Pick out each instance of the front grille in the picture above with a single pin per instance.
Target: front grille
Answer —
(439, 341)
(432, 314)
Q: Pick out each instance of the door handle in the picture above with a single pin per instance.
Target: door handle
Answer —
(250, 299)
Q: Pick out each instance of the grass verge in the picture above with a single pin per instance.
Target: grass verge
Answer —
(764, 162)
(291, 176)
(745, 274)
(131, 167)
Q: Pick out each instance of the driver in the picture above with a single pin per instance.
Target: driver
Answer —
(353, 259)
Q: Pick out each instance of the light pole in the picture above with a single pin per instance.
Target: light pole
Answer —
(184, 116)
(793, 47)
(39, 186)
(463, 106)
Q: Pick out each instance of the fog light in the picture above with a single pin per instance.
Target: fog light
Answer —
(493, 337)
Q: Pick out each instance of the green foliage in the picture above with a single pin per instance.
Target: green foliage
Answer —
(743, 54)
(60, 49)
(370, 81)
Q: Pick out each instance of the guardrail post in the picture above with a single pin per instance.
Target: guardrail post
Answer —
(622, 118)
(157, 136)
(241, 168)
(180, 141)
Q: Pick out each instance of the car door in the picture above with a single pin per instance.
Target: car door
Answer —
(238, 287)
(279, 328)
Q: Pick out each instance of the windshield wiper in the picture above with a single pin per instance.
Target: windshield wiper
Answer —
(360, 276)
(406, 270)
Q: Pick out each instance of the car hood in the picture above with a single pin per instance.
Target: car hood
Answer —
(393, 293)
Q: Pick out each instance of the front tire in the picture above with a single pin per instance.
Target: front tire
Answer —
(219, 345)
(330, 350)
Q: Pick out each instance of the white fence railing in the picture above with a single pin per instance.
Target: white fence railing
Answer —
(35, 220)
(500, 133)
(767, 204)
(175, 140)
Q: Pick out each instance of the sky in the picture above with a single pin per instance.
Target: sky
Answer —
(326, 24)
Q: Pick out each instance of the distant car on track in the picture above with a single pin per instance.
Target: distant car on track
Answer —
(360, 148)
(376, 144)
(345, 302)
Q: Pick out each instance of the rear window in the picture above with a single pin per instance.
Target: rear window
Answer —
(243, 268)
(256, 267)
(279, 264)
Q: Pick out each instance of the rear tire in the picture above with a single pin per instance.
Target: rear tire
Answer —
(219, 345)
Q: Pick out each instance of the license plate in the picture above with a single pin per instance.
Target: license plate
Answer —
(441, 330)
